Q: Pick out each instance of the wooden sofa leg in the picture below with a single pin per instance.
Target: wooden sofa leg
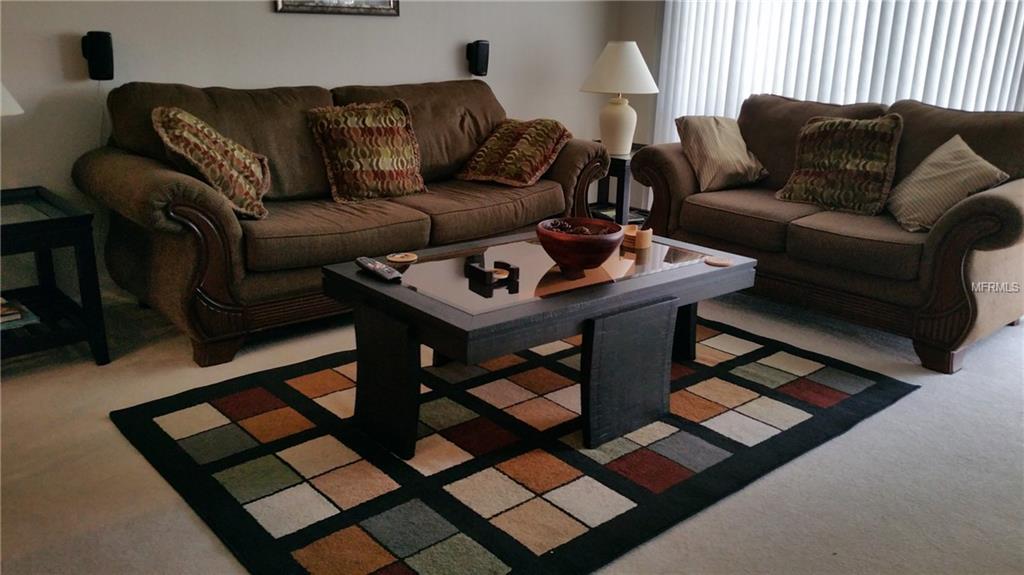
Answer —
(940, 360)
(207, 353)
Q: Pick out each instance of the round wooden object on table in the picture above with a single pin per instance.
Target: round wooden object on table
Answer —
(402, 258)
(718, 262)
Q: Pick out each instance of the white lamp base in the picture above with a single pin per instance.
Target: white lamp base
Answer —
(618, 124)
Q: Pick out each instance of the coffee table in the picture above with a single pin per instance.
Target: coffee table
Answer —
(636, 313)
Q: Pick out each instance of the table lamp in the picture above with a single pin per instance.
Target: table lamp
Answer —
(620, 69)
(8, 105)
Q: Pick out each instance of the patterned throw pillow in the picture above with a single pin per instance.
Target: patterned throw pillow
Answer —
(845, 165)
(517, 153)
(716, 150)
(241, 175)
(944, 178)
(370, 150)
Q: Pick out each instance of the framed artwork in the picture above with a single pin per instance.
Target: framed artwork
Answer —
(366, 7)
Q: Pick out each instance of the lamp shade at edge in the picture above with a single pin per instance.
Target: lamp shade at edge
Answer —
(620, 69)
(8, 105)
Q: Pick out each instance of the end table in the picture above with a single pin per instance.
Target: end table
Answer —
(37, 220)
(619, 169)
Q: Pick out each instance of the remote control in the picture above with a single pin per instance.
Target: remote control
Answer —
(382, 271)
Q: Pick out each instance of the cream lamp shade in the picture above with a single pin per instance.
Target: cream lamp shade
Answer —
(8, 105)
(620, 69)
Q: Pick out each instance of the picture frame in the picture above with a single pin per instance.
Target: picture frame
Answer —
(359, 7)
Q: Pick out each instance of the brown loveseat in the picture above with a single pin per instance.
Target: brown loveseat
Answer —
(175, 243)
(946, 288)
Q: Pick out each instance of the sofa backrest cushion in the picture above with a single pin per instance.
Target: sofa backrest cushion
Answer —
(270, 121)
(996, 136)
(771, 126)
(451, 119)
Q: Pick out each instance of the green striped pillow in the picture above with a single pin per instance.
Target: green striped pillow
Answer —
(944, 178)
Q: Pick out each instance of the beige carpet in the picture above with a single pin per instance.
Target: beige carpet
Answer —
(934, 484)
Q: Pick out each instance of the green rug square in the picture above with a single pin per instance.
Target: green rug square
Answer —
(257, 478)
(458, 554)
(766, 376)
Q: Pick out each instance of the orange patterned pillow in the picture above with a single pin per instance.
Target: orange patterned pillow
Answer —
(241, 175)
(370, 150)
(517, 153)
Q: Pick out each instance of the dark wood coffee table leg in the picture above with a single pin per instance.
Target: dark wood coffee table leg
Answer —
(685, 348)
(439, 359)
(388, 390)
(626, 362)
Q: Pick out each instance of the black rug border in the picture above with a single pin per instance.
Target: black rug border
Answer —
(260, 553)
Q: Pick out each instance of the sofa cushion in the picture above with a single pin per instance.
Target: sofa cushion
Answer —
(451, 119)
(871, 244)
(270, 121)
(304, 233)
(771, 124)
(517, 153)
(461, 210)
(370, 150)
(945, 178)
(845, 165)
(749, 217)
(996, 136)
(716, 150)
(242, 175)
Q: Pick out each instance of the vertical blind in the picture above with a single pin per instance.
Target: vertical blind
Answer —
(966, 54)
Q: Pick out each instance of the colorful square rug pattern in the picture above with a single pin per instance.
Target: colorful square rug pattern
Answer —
(500, 482)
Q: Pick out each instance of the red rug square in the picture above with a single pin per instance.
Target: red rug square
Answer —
(646, 468)
(247, 403)
(479, 436)
(813, 393)
(680, 370)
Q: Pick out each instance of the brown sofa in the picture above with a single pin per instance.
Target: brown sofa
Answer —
(946, 288)
(175, 243)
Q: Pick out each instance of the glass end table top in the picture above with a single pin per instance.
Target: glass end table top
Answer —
(459, 279)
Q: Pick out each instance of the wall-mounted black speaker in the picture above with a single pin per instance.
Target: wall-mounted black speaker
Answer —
(477, 53)
(98, 49)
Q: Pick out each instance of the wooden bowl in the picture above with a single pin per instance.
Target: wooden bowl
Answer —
(577, 252)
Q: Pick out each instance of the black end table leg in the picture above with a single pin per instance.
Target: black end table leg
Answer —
(388, 390)
(44, 269)
(602, 190)
(626, 362)
(685, 348)
(622, 198)
(92, 304)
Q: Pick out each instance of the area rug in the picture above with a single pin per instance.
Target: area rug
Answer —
(501, 482)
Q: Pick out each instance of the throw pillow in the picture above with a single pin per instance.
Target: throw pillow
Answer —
(242, 175)
(370, 150)
(717, 152)
(517, 153)
(949, 174)
(845, 165)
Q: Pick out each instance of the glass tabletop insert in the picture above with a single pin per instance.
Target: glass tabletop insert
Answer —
(460, 279)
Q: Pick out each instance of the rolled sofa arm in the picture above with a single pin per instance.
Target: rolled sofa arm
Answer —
(142, 189)
(159, 198)
(980, 239)
(578, 164)
(1001, 207)
(668, 173)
